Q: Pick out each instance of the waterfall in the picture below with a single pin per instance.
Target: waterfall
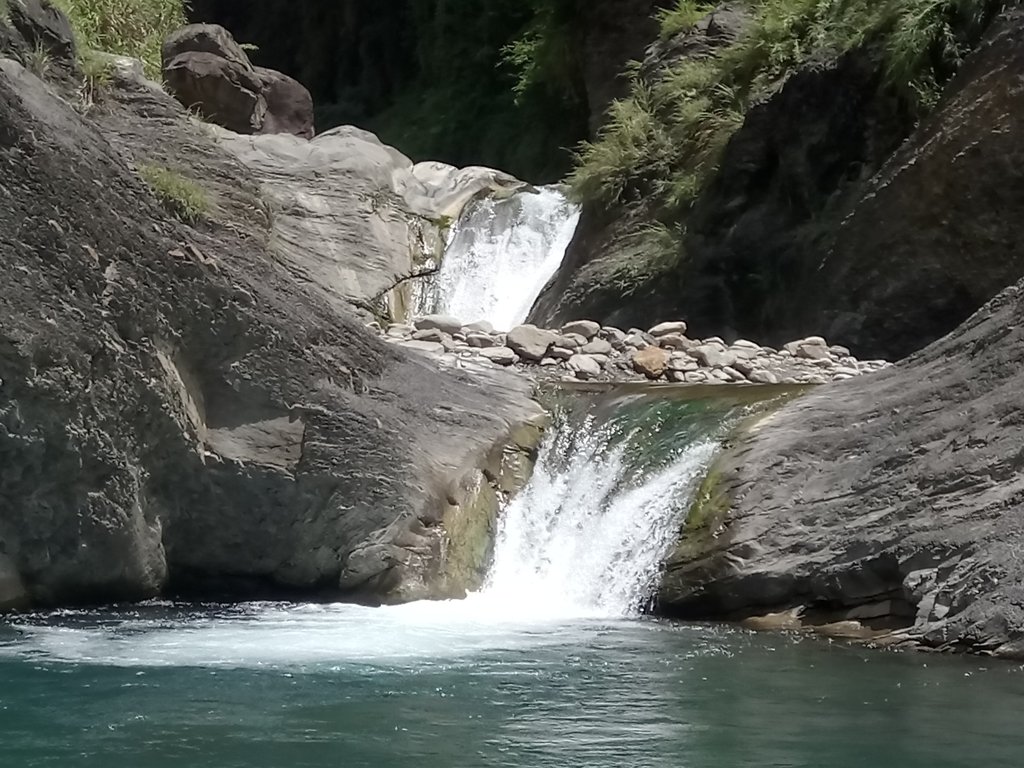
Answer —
(588, 534)
(499, 256)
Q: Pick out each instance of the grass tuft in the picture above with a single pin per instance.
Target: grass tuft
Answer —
(179, 195)
(38, 61)
(135, 28)
(663, 142)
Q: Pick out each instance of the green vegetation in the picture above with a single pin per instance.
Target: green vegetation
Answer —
(663, 142)
(134, 28)
(38, 61)
(179, 195)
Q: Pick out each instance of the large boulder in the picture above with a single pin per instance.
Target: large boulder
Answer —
(289, 104)
(179, 408)
(207, 70)
(894, 500)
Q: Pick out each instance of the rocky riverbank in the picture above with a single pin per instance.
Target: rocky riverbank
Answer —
(586, 351)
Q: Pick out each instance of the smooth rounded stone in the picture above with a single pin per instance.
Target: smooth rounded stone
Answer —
(584, 367)
(664, 329)
(561, 353)
(815, 380)
(549, 362)
(839, 351)
(431, 334)
(676, 376)
(682, 362)
(480, 326)
(480, 340)
(651, 362)
(450, 345)
(586, 328)
(636, 341)
(430, 347)
(572, 340)
(745, 366)
(733, 374)
(597, 347)
(601, 360)
(400, 331)
(719, 376)
(811, 348)
(499, 355)
(746, 344)
(695, 377)
(714, 356)
(716, 340)
(531, 342)
(675, 341)
(846, 371)
(608, 333)
(763, 377)
(822, 362)
(445, 323)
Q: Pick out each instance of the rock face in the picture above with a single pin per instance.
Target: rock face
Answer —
(207, 70)
(829, 212)
(894, 500)
(182, 409)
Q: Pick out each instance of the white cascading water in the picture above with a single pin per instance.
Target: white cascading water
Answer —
(587, 536)
(499, 256)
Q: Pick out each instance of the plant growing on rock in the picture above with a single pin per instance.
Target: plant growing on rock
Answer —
(179, 195)
(38, 61)
(135, 28)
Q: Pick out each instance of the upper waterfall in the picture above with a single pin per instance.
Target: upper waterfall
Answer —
(499, 255)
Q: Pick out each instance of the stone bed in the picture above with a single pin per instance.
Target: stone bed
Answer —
(584, 350)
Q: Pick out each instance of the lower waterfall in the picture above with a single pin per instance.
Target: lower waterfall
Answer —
(587, 536)
(499, 256)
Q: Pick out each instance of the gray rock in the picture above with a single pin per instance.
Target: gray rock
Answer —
(561, 353)
(733, 374)
(432, 334)
(430, 347)
(611, 334)
(664, 329)
(397, 331)
(597, 347)
(480, 326)
(572, 340)
(636, 341)
(480, 340)
(152, 423)
(531, 342)
(289, 104)
(584, 367)
(675, 341)
(763, 377)
(499, 355)
(445, 323)
(713, 356)
(585, 328)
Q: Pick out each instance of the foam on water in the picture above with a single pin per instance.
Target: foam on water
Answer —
(500, 255)
(577, 552)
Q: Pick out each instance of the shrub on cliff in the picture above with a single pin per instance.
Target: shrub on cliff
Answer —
(662, 143)
(127, 27)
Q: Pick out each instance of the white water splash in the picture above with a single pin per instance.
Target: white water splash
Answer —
(500, 255)
(588, 534)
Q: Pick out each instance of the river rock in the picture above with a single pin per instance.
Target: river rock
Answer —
(664, 329)
(613, 335)
(445, 323)
(714, 356)
(675, 341)
(432, 334)
(480, 340)
(763, 377)
(597, 347)
(586, 328)
(584, 367)
(561, 353)
(289, 104)
(572, 340)
(480, 326)
(499, 355)
(651, 362)
(531, 342)
(399, 331)
(430, 347)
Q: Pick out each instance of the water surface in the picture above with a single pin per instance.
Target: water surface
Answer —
(443, 685)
